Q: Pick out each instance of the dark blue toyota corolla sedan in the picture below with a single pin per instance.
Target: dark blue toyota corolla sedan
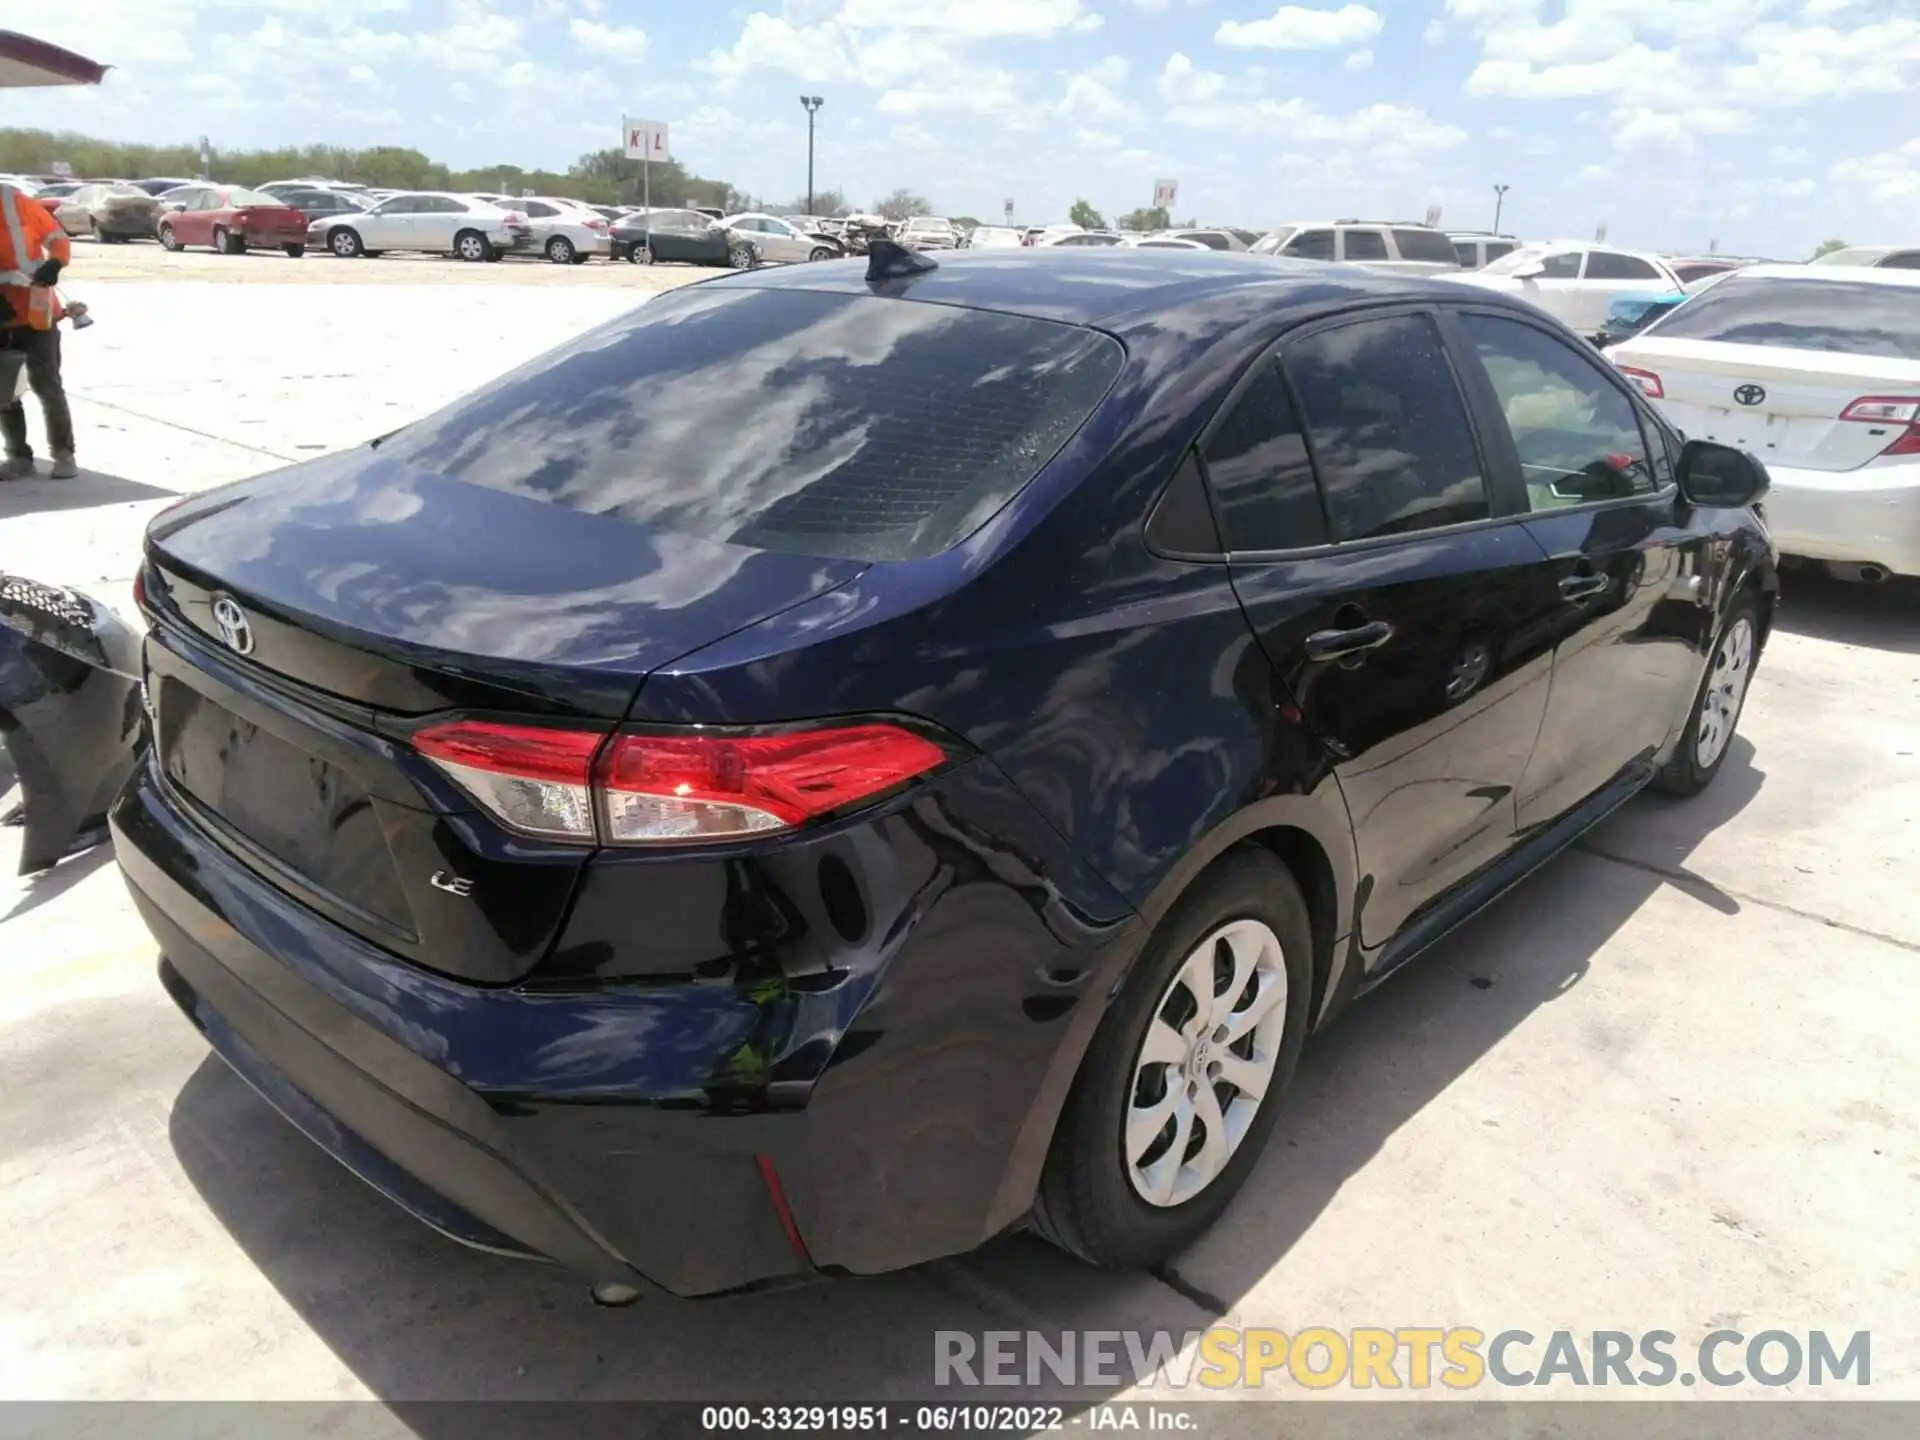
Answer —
(844, 762)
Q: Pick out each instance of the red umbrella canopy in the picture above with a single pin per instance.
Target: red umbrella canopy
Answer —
(27, 61)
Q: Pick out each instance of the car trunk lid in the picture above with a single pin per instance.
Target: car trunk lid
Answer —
(1783, 405)
(305, 621)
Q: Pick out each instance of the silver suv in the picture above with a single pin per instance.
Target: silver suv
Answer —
(1373, 245)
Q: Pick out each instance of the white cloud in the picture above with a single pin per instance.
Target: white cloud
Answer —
(1357, 62)
(1299, 27)
(1889, 176)
(1435, 32)
(616, 42)
(1788, 155)
(1183, 83)
(972, 19)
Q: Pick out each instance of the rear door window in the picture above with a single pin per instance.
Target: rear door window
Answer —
(1607, 265)
(1463, 251)
(850, 427)
(1425, 245)
(1847, 317)
(1363, 245)
(1262, 480)
(1389, 430)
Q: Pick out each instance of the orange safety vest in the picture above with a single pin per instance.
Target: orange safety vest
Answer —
(29, 235)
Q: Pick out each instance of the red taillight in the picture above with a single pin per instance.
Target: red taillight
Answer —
(595, 224)
(1645, 381)
(140, 589)
(688, 787)
(1903, 410)
(533, 779)
(713, 787)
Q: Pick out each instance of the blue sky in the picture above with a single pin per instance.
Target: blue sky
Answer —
(1765, 124)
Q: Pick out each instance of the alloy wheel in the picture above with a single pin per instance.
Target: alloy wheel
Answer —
(1205, 1063)
(1726, 691)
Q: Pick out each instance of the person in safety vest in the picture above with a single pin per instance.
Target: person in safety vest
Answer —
(33, 251)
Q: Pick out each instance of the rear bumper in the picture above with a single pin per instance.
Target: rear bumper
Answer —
(1867, 516)
(904, 1098)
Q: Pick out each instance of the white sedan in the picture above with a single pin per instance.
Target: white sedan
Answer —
(1816, 370)
(463, 226)
(566, 231)
(780, 241)
(1573, 280)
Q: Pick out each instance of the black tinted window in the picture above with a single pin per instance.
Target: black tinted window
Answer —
(1903, 260)
(1605, 265)
(1262, 481)
(1577, 434)
(1212, 239)
(1497, 248)
(1424, 245)
(1390, 432)
(1850, 317)
(1565, 266)
(1311, 245)
(1463, 252)
(1366, 245)
(845, 426)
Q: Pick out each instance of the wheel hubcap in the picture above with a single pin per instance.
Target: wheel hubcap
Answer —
(1205, 1063)
(1726, 691)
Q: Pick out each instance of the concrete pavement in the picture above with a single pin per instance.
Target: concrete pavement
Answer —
(1668, 1083)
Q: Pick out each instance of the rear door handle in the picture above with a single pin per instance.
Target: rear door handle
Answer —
(1338, 644)
(1581, 587)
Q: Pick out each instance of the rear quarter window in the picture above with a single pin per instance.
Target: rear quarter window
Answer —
(848, 427)
(1425, 245)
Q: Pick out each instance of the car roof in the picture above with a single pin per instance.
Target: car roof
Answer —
(1111, 287)
(1856, 274)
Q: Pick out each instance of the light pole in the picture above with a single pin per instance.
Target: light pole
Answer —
(813, 104)
(1499, 200)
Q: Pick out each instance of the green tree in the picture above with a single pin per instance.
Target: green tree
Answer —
(1154, 219)
(902, 205)
(1086, 217)
(1827, 247)
(825, 202)
(964, 222)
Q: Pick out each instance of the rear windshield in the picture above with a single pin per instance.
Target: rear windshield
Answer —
(1848, 318)
(849, 427)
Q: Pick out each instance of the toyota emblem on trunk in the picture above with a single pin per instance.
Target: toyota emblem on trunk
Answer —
(235, 633)
(1749, 394)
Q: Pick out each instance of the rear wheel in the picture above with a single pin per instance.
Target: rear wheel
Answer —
(294, 249)
(169, 240)
(223, 242)
(472, 246)
(1716, 707)
(345, 243)
(740, 255)
(821, 252)
(1180, 1087)
(560, 250)
(641, 255)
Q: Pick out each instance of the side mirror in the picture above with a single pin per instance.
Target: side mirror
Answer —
(1720, 477)
(1532, 270)
(177, 207)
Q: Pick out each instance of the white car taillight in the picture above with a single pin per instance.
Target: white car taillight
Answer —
(1645, 381)
(635, 788)
(1901, 410)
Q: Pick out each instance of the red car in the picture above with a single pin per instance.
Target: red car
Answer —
(231, 220)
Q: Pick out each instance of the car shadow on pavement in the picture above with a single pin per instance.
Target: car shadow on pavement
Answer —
(49, 885)
(1881, 617)
(88, 489)
(416, 1317)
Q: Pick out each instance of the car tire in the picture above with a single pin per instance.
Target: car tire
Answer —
(641, 255)
(740, 255)
(222, 241)
(170, 241)
(472, 246)
(821, 252)
(1718, 702)
(1093, 1199)
(346, 243)
(560, 250)
(294, 251)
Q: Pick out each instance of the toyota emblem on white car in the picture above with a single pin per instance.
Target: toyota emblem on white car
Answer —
(1749, 394)
(235, 632)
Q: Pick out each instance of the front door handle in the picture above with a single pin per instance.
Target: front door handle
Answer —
(1582, 587)
(1338, 644)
